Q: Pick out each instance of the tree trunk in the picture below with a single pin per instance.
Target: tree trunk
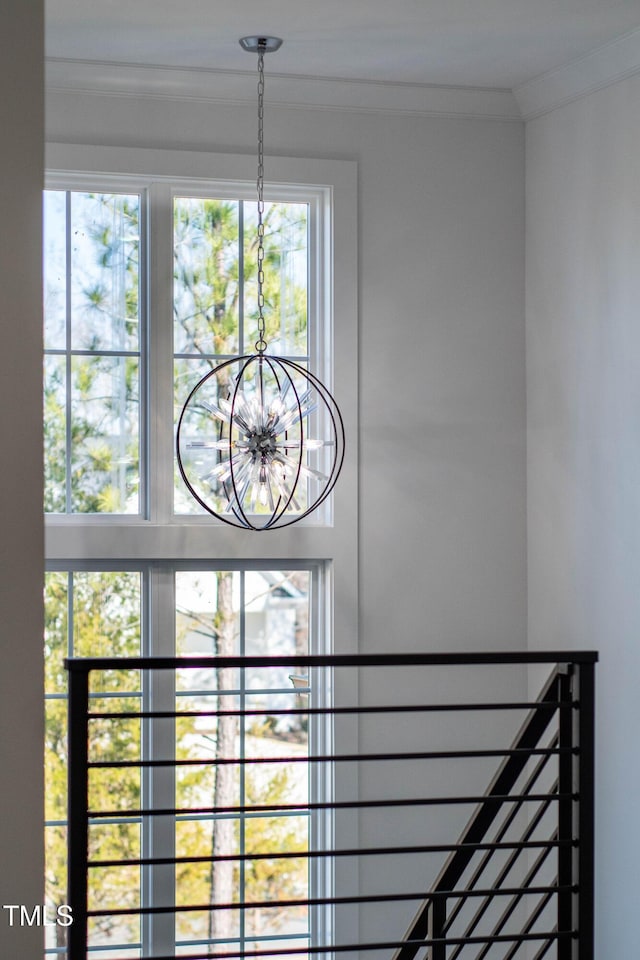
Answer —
(221, 922)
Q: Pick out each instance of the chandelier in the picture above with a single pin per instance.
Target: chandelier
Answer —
(260, 439)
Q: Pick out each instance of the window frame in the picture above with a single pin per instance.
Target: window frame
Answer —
(158, 537)
(157, 692)
(330, 186)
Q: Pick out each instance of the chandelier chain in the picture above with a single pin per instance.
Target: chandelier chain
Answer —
(261, 343)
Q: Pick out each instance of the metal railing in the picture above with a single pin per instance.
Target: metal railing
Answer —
(414, 750)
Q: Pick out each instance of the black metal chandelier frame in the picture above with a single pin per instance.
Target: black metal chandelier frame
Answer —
(232, 487)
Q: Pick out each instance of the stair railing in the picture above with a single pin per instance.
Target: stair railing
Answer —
(493, 894)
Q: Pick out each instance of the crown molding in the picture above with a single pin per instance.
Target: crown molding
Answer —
(135, 80)
(607, 64)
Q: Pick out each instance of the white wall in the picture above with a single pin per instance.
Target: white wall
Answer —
(583, 375)
(442, 398)
(21, 161)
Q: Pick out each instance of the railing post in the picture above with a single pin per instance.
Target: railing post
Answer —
(437, 927)
(586, 785)
(77, 839)
(565, 814)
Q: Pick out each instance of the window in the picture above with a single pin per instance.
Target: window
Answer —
(231, 611)
(149, 282)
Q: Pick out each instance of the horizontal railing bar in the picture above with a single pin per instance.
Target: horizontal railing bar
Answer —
(327, 901)
(329, 854)
(87, 664)
(330, 758)
(337, 805)
(328, 711)
(385, 945)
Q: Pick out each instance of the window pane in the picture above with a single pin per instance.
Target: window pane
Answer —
(194, 880)
(106, 614)
(56, 627)
(56, 755)
(105, 243)
(55, 890)
(248, 612)
(105, 468)
(215, 296)
(55, 269)
(285, 277)
(55, 434)
(187, 374)
(206, 268)
(277, 611)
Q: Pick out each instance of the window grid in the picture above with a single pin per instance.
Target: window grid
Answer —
(71, 354)
(200, 224)
(152, 640)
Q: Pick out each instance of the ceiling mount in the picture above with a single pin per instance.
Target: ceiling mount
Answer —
(260, 44)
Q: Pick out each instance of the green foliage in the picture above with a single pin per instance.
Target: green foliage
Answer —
(106, 620)
(275, 878)
(266, 879)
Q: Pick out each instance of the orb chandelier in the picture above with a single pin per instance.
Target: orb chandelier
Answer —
(260, 439)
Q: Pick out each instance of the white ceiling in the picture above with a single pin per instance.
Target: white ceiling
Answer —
(478, 43)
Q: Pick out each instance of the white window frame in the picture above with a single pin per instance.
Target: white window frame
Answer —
(333, 185)
(160, 536)
(158, 619)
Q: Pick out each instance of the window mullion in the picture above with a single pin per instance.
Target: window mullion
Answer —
(242, 754)
(159, 783)
(68, 370)
(321, 743)
(160, 325)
